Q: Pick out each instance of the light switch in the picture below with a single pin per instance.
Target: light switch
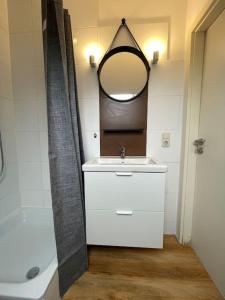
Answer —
(165, 139)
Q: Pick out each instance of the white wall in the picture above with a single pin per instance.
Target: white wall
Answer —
(29, 101)
(92, 18)
(89, 19)
(9, 188)
(195, 10)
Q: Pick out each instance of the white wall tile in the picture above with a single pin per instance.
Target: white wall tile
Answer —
(142, 9)
(28, 146)
(91, 145)
(22, 50)
(26, 115)
(171, 213)
(8, 204)
(84, 13)
(47, 196)
(32, 198)
(7, 128)
(87, 82)
(164, 112)
(5, 79)
(171, 202)
(85, 37)
(172, 178)
(167, 78)
(44, 146)
(24, 82)
(4, 15)
(45, 176)
(167, 155)
(36, 15)
(149, 32)
(23, 67)
(9, 185)
(36, 198)
(105, 36)
(165, 92)
(7, 116)
(9, 145)
(42, 115)
(40, 89)
(30, 100)
(166, 88)
(89, 114)
(37, 38)
(4, 38)
(30, 176)
(142, 32)
(20, 17)
(9, 192)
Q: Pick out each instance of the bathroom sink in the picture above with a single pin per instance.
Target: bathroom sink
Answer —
(124, 161)
(128, 164)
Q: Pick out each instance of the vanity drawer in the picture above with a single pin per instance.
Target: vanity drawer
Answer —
(125, 190)
(125, 228)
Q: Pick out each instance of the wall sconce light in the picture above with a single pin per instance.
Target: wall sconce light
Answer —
(92, 61)
(154, 50)
(93, 53)
(155, 57)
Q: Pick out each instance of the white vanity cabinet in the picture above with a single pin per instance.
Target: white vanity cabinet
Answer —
(124, 207)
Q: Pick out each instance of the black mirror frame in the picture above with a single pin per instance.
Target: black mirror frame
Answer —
(129, 49)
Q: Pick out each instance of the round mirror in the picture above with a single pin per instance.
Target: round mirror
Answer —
(123, 75)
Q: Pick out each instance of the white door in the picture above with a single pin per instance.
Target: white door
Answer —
(208, 236)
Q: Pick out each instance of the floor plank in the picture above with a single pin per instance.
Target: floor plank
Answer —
(144, 274)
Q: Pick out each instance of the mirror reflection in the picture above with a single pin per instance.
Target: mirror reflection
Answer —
(123, 76)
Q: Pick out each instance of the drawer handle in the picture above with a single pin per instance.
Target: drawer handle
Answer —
(124, 212)
(123, 173)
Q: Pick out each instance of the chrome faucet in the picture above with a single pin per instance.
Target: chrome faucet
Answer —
(122, 152)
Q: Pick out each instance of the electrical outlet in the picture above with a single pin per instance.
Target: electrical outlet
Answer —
(166, 140)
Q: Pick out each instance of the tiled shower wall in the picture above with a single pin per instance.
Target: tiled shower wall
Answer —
(29, 101)
(9, 187)
(166, 87)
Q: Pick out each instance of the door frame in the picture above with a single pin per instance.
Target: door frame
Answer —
(194, 71)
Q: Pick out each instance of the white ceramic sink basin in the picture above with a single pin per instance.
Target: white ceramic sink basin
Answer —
(124, 161)
(128, 164)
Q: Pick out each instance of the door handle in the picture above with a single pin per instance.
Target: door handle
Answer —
(199, 144)
(123, 173)
(124, 212)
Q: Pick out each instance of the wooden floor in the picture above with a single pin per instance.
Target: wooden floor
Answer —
(144, 274)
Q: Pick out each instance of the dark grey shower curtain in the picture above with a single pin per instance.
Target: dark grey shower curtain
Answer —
(65, 144)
